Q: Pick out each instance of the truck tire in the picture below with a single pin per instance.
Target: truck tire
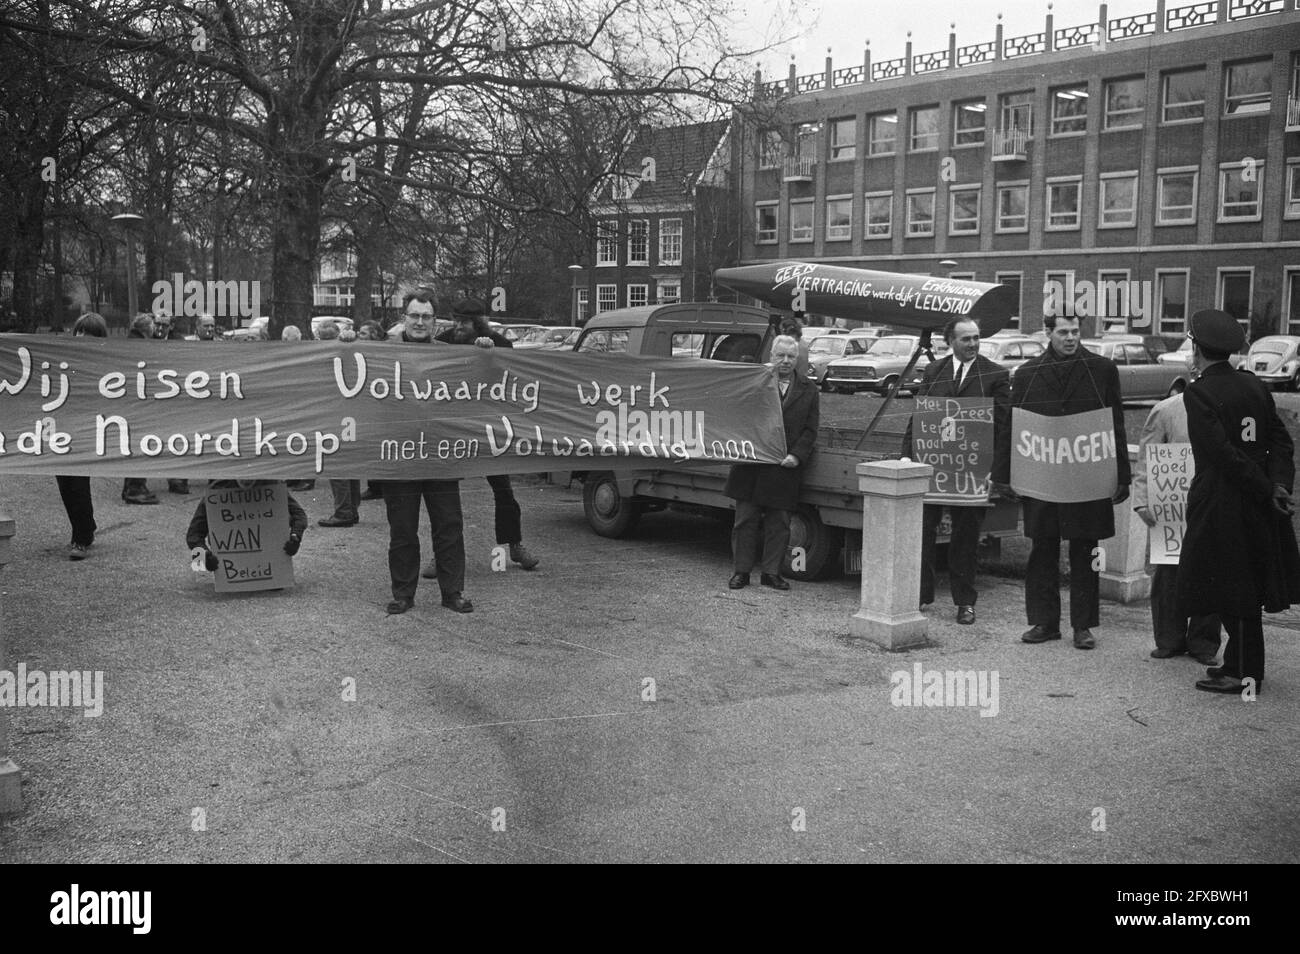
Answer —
(609, 513)
(821, 546)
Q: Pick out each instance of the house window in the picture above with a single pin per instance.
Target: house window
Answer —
(879, 215)
(584, 303)
(1058, 294)
(1070, 109)
(670, 241)
(805, 140)
(638, 295)
(923, 131)
(844, 138)
(607, 243)
(766, 219)
(1239, 189)
(964, 210)
(1292, 210)
(606, 298)
(1176, 196)
(1118, 200)
(770, 149)
(1063, 203)
(801, 221)
(1291, 291)
(968, 123)
(839, 219)
(1171, 300)
(1112, 304)
(1013, 207)
(1234, 294)
(1248, 87)
(920, 212)
(882, 133)
(670, 292)
(638, 242)
(1016, 111)
(1183, 96)
(1013, 280)
(1126, 99)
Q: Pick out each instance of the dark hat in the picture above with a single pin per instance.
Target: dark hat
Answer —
(469, 308)
(1216, 330)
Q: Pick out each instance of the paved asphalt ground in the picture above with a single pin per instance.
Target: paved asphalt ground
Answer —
(531, 713)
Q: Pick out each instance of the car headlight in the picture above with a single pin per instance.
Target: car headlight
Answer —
(869, 371)
(1289, 367)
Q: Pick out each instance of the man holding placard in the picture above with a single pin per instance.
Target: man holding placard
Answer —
(1068, 462)
(963, 411)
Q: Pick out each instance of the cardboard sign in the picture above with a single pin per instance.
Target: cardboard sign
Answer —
(1170, 468)
(1067, 459)
(247, 531)
(955, 437)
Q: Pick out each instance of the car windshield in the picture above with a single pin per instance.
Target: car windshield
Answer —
(1096, 347)
(1268, 347)
(988, 348)
(827, 344)
(535, 334)
(891, 347)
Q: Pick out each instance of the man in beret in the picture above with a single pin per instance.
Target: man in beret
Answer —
(1239, 551)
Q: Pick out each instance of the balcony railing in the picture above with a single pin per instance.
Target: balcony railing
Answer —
(1010, 145)
(798, 169)
(1293, 114)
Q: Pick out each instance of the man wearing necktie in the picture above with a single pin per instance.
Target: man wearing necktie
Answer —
(963, 373)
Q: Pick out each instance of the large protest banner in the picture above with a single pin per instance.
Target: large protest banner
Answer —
(1170, 469)
(247, 530)
(955, 437)
(1066, 459)
(368, 410)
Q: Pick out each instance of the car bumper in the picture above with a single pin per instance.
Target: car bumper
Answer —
(1274, 377)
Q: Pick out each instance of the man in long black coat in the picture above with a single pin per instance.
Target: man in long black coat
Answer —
(766, 493)
(1065, 379)
(1239, 552)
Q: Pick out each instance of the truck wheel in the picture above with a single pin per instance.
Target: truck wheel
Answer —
(608, 512)
(820, 543)
(1178, 387)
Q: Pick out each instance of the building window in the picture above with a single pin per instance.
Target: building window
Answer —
(968, 123)
(920, 213)
(1171, 297)
(670, 293)
(1070, 110)
(1234, 294)
(1291, 309)
(1112, 303)
(839, 219)
(770, 149)
(766, 218)
(1063, 203)
(1119, 192)
(964, 210)
(1176, 196)
(606, 298)
(805, 140)
(1013, 207)
(923, 131)
(1014, 280)
(882, 133)
(670, 241)
(801, 221)
(1247, 87)
(638, 295)
(879, 215)
(844, 138)
(607, 243)
(638, 242)
(1239, 189)
(1016, 111)
(584, 302)
(1126, 99)
(1183, 96)
(1058, 288)
(962, 276)
(1292, 210)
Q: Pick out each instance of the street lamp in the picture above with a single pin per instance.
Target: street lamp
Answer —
(130, 224)
(575, 274)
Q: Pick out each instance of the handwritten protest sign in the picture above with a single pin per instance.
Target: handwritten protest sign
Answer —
(1170, 469)
(374, 410)
(1067, 459)
(247, 530)
(955, 437)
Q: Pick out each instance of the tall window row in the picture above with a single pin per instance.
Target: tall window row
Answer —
(639, 238)
(667, 292)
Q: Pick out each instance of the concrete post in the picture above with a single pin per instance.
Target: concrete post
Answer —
(866, 62)
(1160, 17)
(997, 41)
(952, 46)
(830, 70)
(907, 66)
(1124, 578)
(891, 553)
(1049, 32)
(11, 792)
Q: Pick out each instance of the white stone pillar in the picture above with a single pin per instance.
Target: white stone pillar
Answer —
(1124, 577)
(11, 792)
(891, 553)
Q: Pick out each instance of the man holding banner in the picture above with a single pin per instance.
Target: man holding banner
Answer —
(1068, 461)
(949, 444)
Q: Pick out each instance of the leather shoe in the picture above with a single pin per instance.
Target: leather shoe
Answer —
(1215, 672)
(1205, 659)
(774, 580)
(397, 607)
(430, 571)
(458, 603)
(335, 522)
(1083, 639)
(1040, 634)
(738, 581)
(369, 494)
(1224, 684)
(140, 497)
(1159, 653)
(965, 615)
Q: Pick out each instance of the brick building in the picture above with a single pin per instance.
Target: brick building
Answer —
(1156, 155)
(666, 223)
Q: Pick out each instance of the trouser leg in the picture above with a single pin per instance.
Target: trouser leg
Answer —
(1085, 585)
(75, 492)
(1043, 583)
(1244, 656)
(442, 500)
(776, 540)
(930, 517)
(402, 503)
(508, 518)
(1169, 629)
(1203, 635)
(347, 494)
(966, 524)
(745, 536)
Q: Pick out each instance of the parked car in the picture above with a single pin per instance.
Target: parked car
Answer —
(879, 367)
(343, 323)
(827, 348)
(1010, 351)
(515, 333)
(1141, 376)
(544, 337)
(1183, 353)
(1275, 360)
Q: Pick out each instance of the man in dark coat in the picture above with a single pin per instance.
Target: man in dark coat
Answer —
(1066, 379)
(766, 493)
(1239, 552)
(963, 373)
(135, 490)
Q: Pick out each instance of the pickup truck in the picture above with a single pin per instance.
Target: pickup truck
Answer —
(828, 522)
